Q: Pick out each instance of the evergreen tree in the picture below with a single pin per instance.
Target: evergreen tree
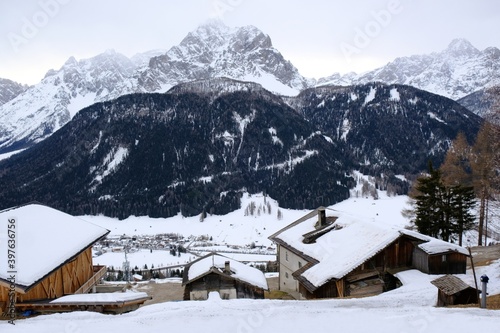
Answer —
(428, 202)
(463, 200)
(442, 211)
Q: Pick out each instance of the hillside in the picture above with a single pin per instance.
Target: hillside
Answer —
(196, 148)
(185, 151)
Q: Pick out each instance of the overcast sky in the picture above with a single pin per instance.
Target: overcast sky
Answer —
(320, 37)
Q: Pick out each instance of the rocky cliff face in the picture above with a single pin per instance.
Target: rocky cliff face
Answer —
(45, 107)
(214, 50)
(10, 90)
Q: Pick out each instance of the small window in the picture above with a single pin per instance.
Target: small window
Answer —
(443, 258)
(286, 255)
(286, 275)
(300, 264)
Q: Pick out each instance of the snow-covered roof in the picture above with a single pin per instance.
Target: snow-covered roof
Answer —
(433, 245)
(45, 239)
(102, 298)
(216, 262)
(352, 241)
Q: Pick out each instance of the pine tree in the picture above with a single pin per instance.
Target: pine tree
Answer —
(463, 200)
(442, 211)
(428, 201)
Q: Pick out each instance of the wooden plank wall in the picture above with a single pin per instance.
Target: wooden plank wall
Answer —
(65, 281)
(420, 260)
(455, 263)
(217, 282)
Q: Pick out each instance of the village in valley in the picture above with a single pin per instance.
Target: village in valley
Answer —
(355, 250)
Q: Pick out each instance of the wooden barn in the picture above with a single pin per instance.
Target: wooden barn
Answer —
(453, 291)
(51, 253)
(431, 259)
(331, 254)
(230, 278)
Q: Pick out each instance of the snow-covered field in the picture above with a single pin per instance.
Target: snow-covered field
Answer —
(406, 309)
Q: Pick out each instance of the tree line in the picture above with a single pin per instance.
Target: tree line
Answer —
(444, 199)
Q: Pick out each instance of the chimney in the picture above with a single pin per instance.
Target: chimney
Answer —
(321, 218)
(227, 268)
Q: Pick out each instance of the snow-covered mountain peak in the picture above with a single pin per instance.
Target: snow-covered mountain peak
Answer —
(215, 50)
(461, 47)
(70, 62)
(48, 105)
(212, 50)
(212, 28)
(455, 72)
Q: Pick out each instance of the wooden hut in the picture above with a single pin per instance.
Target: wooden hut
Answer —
(331, 254)
(439, 261)
(453, 291)
(230, 278)
(52, 253)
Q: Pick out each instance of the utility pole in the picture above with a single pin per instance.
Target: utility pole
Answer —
(126, 266)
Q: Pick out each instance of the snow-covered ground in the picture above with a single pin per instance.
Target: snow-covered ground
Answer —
(409, 308)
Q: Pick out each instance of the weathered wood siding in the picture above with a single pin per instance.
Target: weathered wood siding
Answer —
(467, 296)
(449, 263)
(328, 290)
(64, 281)
(227, 287)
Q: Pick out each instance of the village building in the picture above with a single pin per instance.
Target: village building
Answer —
(454, 291)
(230, 278)
(327, 254)
(51, 255)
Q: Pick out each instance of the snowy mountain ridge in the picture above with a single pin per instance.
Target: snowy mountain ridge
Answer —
(455, 72)
(30, 114)
(10, 89)
(213, 50)
(47, 106)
